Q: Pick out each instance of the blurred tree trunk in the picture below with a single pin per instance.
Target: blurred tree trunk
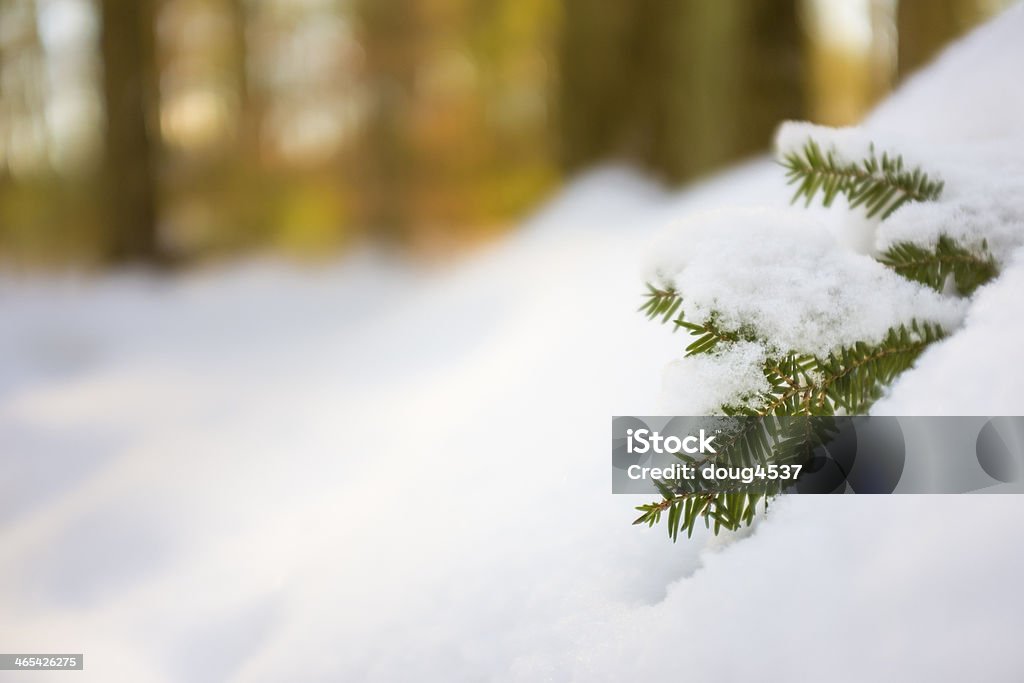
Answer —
(775, 71)
(249, 109)
(926, 26)
(845, 80)
(679, 86)
(22, 83)
(597, 69)
(386, 160)
(132, 139)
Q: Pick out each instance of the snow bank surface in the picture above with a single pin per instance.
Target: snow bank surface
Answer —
(371, 473)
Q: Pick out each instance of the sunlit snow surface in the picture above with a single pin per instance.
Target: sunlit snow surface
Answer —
(370, 472)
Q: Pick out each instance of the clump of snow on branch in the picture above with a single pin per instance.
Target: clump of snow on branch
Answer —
(983, 201)
(783, 276)
(701, 384)
(848, 145)
(974, 372)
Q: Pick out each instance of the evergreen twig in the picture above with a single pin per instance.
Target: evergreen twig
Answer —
(880, 185)
(850, 379)
(661, 302)
(709, 334)
(970, 268)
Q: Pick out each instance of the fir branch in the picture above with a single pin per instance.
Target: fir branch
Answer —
(733, 504)
(854, 377)
(749, 442)
(849, 379)
(969, 268)
(728, 510)
(793, 387)
(709, 334)
(661, 302)
(880, 185)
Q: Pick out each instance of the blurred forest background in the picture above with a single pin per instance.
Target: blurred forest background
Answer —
(170, 131)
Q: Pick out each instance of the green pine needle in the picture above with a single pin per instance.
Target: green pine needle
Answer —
(708, 334)
(970, 268)
(661, 302)
(853, 378)
(880, 185)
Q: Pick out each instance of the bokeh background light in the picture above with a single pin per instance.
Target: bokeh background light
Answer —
(176, 131)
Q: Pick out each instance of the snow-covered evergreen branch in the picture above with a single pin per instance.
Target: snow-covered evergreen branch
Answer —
(846, 379)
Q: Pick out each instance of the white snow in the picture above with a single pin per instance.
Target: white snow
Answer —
(370, 472)
(970, 93)
(983, 201)
(847, 145)
(702, 384)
